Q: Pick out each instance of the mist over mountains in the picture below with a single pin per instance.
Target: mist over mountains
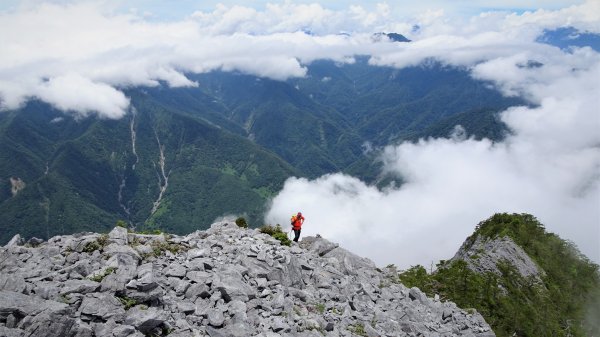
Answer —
(182, 157)
(172, 124)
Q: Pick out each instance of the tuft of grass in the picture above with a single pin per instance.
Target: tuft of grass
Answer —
(102, 240)
(159, 248)
(357, 329)
(64, 299)
(135, 242)
(127, 302)
(100, 277)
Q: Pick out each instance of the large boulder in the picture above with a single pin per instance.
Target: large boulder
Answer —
(144, 319)
(118, 235)
(232, 286)
(102, 306)
(35, 316)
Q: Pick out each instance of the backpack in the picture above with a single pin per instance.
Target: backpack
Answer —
(293, 219)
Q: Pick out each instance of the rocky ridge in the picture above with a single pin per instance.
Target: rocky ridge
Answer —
(483, 255)
(225, 281)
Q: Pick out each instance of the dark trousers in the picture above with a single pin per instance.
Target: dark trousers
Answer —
(296, 234)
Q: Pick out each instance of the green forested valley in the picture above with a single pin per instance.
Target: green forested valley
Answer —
(182, 157)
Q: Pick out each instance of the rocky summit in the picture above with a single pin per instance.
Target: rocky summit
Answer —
(225, 281)
(484, 254)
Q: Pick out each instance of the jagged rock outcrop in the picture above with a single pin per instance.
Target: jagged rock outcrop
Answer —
(225, 281)
(483, 255)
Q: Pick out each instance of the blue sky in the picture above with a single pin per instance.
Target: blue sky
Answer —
(168, 10)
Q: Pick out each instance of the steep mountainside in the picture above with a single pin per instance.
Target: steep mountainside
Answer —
(225, 281)
(319, 123)
(522, 279)
(155, 168)
(182, 157)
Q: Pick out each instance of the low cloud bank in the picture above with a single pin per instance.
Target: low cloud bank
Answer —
(49, 49)
(548, 166)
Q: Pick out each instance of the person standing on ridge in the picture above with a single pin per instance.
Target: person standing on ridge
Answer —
(297, 221)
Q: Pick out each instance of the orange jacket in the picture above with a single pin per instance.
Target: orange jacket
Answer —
(298, 222)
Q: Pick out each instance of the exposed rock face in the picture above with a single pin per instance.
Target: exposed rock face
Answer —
(225, 281)
(483, 255)
(16, 185)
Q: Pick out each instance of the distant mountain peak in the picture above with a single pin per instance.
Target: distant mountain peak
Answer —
(567, 37)
(530, 64)
(392, 37)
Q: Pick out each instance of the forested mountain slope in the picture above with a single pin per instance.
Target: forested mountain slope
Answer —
(155, 168)
(183, 156)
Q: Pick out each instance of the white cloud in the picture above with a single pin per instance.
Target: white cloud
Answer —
(72, 92)
(89, 40)
(548, 167)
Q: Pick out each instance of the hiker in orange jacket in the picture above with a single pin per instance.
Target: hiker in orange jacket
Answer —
(297, 221)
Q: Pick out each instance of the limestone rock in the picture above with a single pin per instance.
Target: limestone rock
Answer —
(16, 240)
(145, 274)
(484, 254)
(102, 306)
(118, 235)
(79, 286)
(144, 319)
(226, 281)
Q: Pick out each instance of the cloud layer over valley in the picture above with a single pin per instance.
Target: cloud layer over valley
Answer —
(80, 57)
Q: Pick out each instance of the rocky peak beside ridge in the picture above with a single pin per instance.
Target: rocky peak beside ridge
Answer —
(225, 281)
(484, 254)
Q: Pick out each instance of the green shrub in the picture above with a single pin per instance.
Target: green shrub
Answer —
(268, 229)
(277, 233)
(241, 222)
(98, 244)
(121, 223)
(283, 238)
(91, 247)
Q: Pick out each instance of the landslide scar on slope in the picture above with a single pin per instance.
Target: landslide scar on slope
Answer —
(16, 185)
